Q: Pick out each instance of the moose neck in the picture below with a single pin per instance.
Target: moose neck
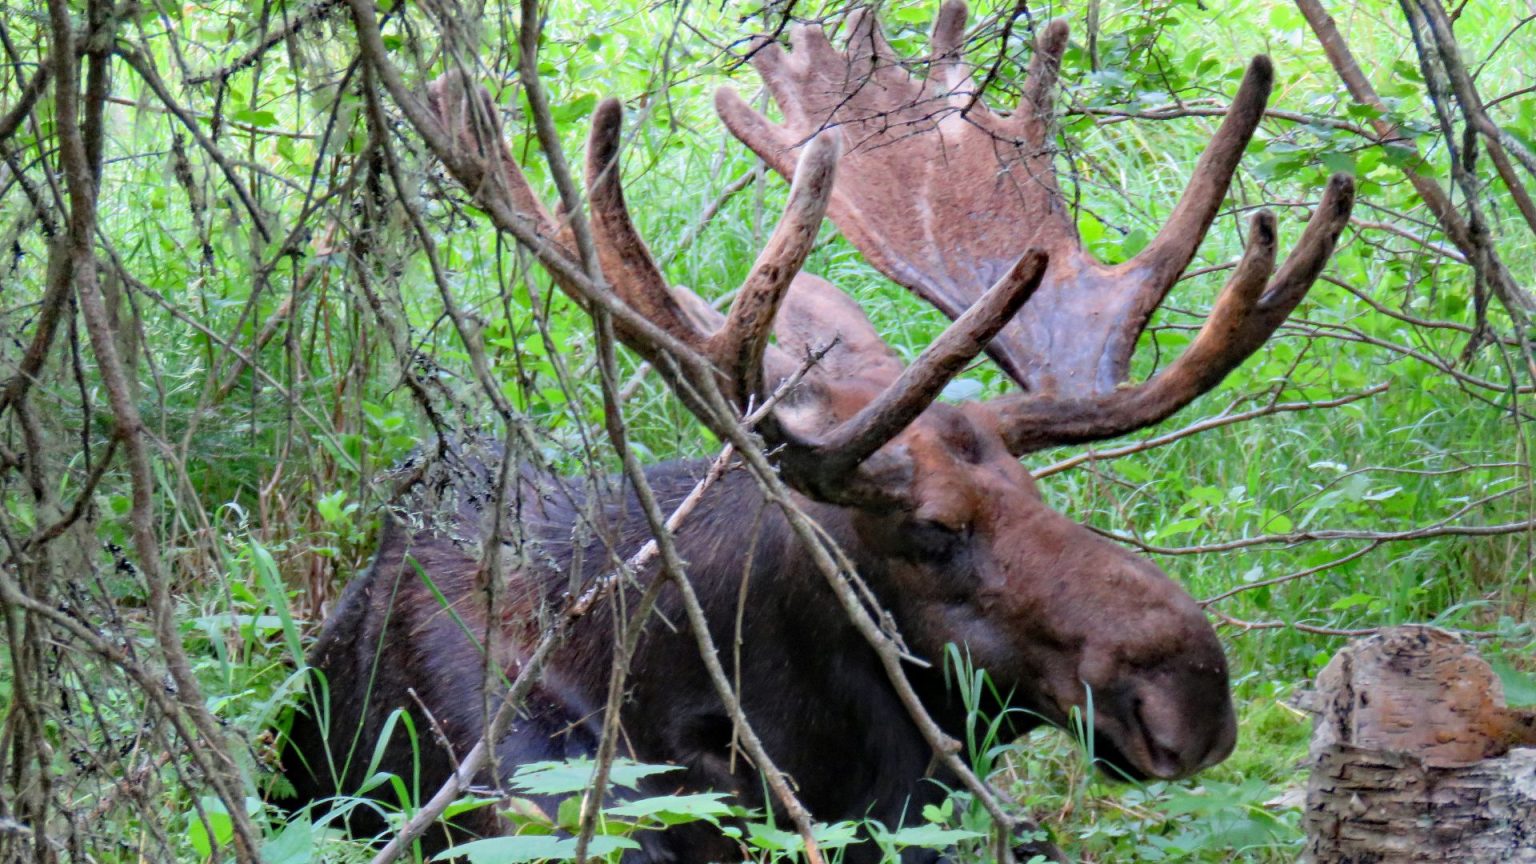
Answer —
(810, 682)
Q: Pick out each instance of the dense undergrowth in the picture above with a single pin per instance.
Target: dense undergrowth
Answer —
(1304, 523)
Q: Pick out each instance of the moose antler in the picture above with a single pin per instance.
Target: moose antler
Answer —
(737, 348)
(941, 194)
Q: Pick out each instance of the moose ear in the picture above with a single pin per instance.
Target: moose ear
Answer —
(699, 313)
(814, 314)
(777, 365)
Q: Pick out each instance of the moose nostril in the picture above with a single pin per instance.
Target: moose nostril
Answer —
(1163, 761)
(1181, 730)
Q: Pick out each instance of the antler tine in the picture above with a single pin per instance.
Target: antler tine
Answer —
(946, 67)
(812, 45)
(1037, 104)
(737, 348)
(1312, 251)
(770, 141)
(466, 111)
(846, 465)
(868, 50)
(1245, 314)
(919, 384)
(626, 261)
(1176, 243)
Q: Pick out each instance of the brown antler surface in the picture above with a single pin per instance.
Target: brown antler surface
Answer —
(825, 467)
(465, 109)
(737, 348)
(942, 194)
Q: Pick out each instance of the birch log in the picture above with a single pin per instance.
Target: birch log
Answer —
(1416, 758)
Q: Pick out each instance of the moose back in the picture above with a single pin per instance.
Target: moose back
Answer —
(929, 500)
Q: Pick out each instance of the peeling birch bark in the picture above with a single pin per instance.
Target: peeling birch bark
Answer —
(1416, 758)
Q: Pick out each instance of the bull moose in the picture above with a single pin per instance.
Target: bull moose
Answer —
(927, 499)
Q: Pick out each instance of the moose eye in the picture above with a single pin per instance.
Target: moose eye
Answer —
(932, 542)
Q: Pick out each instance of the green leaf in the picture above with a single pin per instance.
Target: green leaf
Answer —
(333, 507)
(1400, 156)
(572, 110)
(1382, 495)
(1134, 242)
(1408, 71)
(835, 835)
(775, 839)
(1179, 526)
(568, 814)
(1339, 163)
(216, 819)
(1090, 229)
(1519, 687)
(520, 849)
(676, 809)
(1359, 598)
(1207, 495)
(295, 844)
(254, 118)
(272, 581)
(929, 836)
(563, 778)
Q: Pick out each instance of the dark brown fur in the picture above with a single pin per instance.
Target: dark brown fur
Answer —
(940, 519)
(1040, 602)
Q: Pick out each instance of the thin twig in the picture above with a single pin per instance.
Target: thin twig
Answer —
(1292, 625)
(1207, 424)
(1292, 577)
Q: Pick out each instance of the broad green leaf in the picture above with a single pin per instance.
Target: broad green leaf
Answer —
(522, 849)
(1179, 526)
(295, 844)
(563, 778)
(1519, 687)
(929, 836)
(675, 809)
(1359, 598)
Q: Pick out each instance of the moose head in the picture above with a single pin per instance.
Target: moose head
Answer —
(946, 198)
(961, 204)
